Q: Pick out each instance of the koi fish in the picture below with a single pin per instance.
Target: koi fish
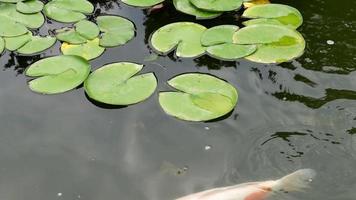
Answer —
(296, 181)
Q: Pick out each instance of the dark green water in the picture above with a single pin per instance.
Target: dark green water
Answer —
(295, 115)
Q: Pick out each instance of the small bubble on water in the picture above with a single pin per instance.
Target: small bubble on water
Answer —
(59, 194)
(284, 98)
(310, 180)
(206, 128)
(330, 42)
(207, 147)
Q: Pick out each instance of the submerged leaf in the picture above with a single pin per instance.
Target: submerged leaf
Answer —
(185, 36)
(186, 7)
(217, 5)
(37, 44)
(116, 30)
(58, 74)
(115, 84)
(88, 50)
(201, 97)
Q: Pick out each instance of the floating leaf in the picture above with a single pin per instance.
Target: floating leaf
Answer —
(29, 6)
(10, 1)
(87, 29)
(217, 5)
(9, 11)
(37, 44)
(88, 50)
(58, 74)
(248, 4)
(277, 44)
(14, 43)
(116, 30)
(287, 15)
(142, 3)
(68, 11)
(70, 36)
(218, 35)
(262, 21)
(115, 84)
(10, 28)
(186, 7)
(201, 97)
(183, 35)
(2, 45)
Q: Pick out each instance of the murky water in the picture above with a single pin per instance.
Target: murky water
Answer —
(290, 116)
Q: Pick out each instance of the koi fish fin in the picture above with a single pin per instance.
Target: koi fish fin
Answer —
(296, 181)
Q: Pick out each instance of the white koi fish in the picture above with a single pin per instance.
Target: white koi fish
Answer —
(296, 181)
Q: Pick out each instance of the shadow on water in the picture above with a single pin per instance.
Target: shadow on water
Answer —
(103, 105)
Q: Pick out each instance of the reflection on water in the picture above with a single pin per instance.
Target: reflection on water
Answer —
(294, 115)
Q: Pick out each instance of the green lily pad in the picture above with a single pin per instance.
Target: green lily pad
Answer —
(277, 44)
(37, 44)
(87, 29)
(14, 43)
(88, 50)
(58, 74)
(70, 35)
(201, 97)
(11, 28)
(185, 36)
(68, 11)
(230, 51)
(11, 1)
(9, 11)
(116, 84)
(142, 3)
(186, 7)
(218, 35)
(262, 21)
(2, 45)
(29, 6)
(217, 5)
(116, 30)
(286, 15)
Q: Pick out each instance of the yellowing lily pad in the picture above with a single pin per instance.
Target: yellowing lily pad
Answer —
(286, 15)
(14, 43)
(185, 36)
(201, 97)
(88, 50)
(251, 3)
(116, 30)
(68, 11)
(116, 84)
(142, 3)
(57, 74)
(29, 6)
(37, 44)
(217, 5)
(186, 7)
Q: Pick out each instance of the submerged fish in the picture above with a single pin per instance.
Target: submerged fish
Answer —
(296, 181)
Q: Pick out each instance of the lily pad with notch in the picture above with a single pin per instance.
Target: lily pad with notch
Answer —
(182, 36)
(185, 6)
(83, 30)
(29, 6)
(200, 97)
(58, 74)
(89, 50)
(9, 11)
(142, 3)
(37, 44)
(217, 5)
(14, 43)
(118, 84)
(68, 11)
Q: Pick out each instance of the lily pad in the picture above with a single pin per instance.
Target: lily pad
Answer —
(70, 35)
(201, 97)
(116, 30)
(58, 74)
(277, 44)
(11, 28)
(186, 7)
(262, 21)
(87, 29)
(185, 36)
(68, 11)
(116, 84)
(29, 6)
(84, 30)
(88, 50)
(220, 45)
(218, 35)
(2, 45)
(251, 3)
(286, 15)
(217, 5)
(142, 3)
(37, 44)
(11, 1)
(14, 43)
(9, 11)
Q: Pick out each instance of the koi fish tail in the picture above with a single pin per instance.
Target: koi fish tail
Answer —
(296, 181)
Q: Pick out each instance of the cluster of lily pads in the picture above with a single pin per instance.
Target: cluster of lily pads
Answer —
(269, 36)
(85, 38)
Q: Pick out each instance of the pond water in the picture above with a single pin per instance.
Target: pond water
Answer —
(294, 115)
